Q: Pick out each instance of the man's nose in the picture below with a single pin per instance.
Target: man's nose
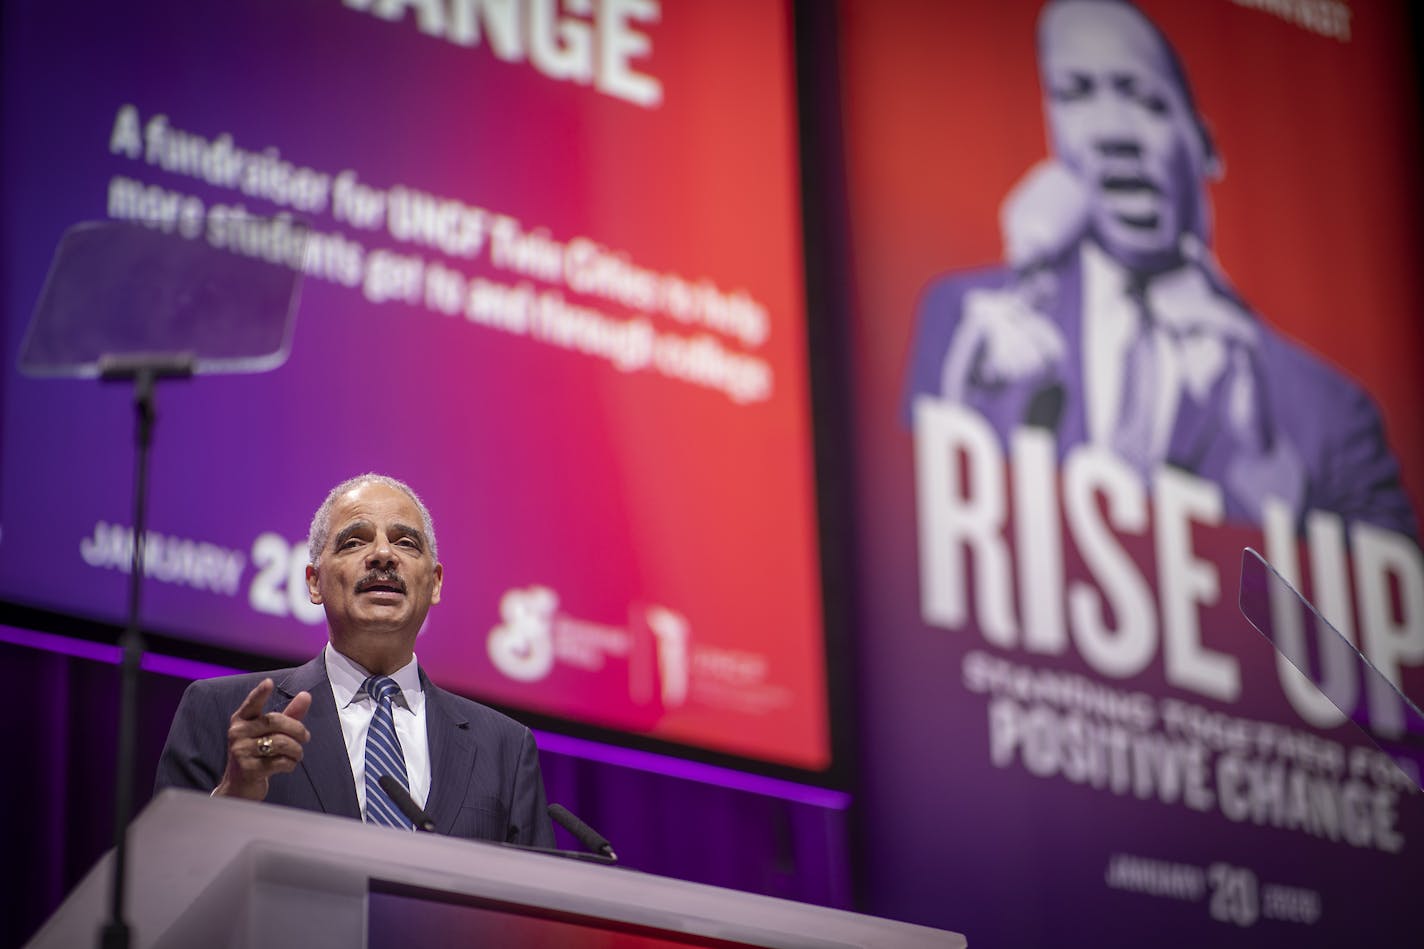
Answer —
(382, 552)
(1115, 133)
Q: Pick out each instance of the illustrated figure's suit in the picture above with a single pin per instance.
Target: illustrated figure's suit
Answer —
(1331, 423)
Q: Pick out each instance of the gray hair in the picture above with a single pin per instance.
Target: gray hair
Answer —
(321, 521)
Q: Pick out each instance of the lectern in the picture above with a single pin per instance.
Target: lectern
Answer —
(228, 874)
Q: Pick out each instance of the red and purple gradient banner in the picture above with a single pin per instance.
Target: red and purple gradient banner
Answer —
(1072, 734)
(553, 281)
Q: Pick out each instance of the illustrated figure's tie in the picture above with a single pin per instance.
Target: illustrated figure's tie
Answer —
(1133, 437)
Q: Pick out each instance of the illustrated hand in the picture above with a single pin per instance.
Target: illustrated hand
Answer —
(261, 744)
(1225, 419)
(1207, 325)
(1002, 339)
(1264, 462)
(1044, 215)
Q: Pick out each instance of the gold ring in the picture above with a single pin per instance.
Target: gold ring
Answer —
(264, 746)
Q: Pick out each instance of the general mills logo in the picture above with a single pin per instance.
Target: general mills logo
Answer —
(522, 646)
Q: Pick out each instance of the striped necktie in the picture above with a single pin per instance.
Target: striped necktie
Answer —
(1134, 437)
(383, 756)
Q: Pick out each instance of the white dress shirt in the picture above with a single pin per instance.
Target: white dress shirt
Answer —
(356, 709)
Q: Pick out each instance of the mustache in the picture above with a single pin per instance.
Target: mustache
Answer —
(380, 578)
(1127, 183)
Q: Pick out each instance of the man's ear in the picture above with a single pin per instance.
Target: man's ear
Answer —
(439, 578)
(312, 590)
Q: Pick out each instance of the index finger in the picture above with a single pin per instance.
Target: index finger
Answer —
(251, 706)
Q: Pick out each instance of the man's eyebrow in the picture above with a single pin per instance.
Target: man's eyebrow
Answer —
(348, 530)
(405, 530)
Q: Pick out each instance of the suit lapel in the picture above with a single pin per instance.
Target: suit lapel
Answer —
(452, 756)
(324, 760)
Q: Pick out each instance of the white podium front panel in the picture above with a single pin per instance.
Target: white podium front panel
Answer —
(225, 874)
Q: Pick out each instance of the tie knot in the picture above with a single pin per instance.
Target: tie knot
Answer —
(382, 688)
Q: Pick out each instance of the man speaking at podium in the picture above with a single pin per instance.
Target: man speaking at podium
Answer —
(320, 736)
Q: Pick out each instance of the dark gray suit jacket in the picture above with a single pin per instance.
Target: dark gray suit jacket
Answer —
(484, 769)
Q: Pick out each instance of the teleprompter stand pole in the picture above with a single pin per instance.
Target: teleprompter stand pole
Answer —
(143, 371)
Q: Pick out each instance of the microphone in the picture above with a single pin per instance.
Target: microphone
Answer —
(590, 838)
(1045, 408)
(407, 804)
(600, 851)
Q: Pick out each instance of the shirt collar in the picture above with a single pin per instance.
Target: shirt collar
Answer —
(347, 676)
(1101, 270)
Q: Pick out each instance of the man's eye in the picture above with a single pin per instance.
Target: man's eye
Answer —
(1157, 105)
(408, 542)
(1071, 90)
(349, 543)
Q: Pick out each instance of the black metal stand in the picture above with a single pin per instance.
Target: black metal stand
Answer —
(143, 372)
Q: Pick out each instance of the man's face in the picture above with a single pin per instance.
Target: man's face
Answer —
(377, 577)
(1120, 122)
